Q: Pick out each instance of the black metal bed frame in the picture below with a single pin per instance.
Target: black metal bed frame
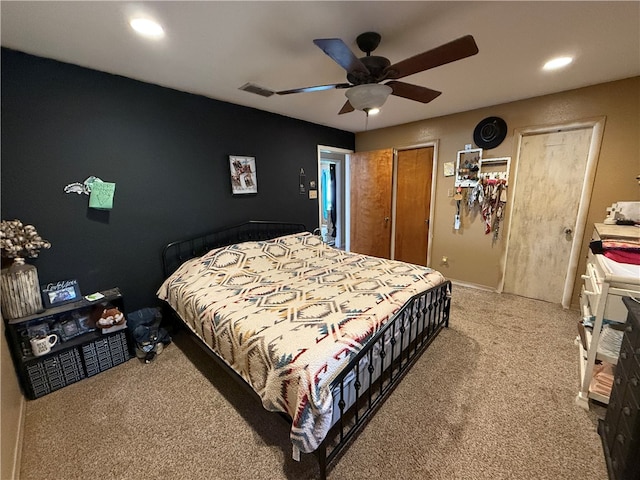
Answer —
(403, 338)
(176, 253)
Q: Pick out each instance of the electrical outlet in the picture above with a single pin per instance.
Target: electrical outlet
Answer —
(450, 192)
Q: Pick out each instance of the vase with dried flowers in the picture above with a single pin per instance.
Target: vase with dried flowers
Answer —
(19, 284)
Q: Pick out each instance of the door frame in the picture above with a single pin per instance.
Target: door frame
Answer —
(394, 192)
(596, 124)
(343, 212)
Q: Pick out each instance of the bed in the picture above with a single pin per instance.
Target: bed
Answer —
(317, 334)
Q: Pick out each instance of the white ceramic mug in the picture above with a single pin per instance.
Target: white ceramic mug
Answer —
(41, 345)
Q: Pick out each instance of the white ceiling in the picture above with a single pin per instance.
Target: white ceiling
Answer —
(213, 48)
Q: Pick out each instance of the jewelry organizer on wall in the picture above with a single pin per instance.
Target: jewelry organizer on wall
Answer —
(493, 178)
(468, 167)
(486, 180)
(471, 167)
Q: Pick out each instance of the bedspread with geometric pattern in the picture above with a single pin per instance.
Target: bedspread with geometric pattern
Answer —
(288, 314)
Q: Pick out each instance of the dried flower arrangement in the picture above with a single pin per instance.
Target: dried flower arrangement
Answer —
(19, 241)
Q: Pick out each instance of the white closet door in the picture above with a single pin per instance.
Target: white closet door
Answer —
(550, 177)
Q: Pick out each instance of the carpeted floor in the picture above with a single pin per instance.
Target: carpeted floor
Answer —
(492, 398)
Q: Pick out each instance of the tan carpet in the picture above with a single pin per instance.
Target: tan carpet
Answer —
(492, 398)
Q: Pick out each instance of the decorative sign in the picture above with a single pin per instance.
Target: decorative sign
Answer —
(301, 182)
(449, 169)
(102, 195)
(61, 292)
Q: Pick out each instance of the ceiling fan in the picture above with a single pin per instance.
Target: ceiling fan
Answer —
(364, 75)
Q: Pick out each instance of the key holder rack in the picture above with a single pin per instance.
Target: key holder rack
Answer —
(495, 169)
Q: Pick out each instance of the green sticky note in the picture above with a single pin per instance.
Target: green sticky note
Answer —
(102, 195)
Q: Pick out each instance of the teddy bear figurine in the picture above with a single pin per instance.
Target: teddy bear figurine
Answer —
(110, 318)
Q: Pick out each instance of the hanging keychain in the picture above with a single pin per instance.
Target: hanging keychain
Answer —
(458, 198)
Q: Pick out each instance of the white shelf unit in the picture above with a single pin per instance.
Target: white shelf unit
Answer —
(605, 284)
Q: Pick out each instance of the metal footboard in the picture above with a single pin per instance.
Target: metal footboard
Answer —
(377, 369)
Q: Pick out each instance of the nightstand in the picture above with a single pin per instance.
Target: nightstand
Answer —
(80, 351)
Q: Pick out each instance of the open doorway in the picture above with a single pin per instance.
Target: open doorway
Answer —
(333, 195)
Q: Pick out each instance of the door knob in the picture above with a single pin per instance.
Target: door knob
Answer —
(568, 231)
(386, 219)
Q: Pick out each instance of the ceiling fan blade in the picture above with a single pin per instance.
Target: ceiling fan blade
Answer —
(412, 92)
(342, 55)
(449, 52)
(317, 88)
(346, 108)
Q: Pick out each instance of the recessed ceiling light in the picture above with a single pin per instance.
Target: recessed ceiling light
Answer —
(556, 63)
(147, 27)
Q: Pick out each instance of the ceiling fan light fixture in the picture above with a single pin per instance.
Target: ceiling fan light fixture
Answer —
(368, 96)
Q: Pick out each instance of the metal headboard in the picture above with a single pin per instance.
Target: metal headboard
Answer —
(176, 253)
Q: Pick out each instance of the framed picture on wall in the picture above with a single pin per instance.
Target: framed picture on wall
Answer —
(243, 175)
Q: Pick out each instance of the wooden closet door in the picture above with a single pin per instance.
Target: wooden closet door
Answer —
(550, 184)
(371, 176)
(413, 203)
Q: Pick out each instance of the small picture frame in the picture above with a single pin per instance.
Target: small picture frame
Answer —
(59, 293)
(84, 323)
(68, 329)
(244, 179)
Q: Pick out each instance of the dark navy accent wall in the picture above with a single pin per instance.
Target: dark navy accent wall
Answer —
(167, 152)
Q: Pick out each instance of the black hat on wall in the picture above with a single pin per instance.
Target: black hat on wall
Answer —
(490, 132)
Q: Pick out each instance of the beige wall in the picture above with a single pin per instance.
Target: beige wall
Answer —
(472, 256)
(12, 405)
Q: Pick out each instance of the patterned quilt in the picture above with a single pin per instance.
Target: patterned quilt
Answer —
(288, 314)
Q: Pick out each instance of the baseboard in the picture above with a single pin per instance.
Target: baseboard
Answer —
(13, 413)
(17, 458)
(473, 285)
